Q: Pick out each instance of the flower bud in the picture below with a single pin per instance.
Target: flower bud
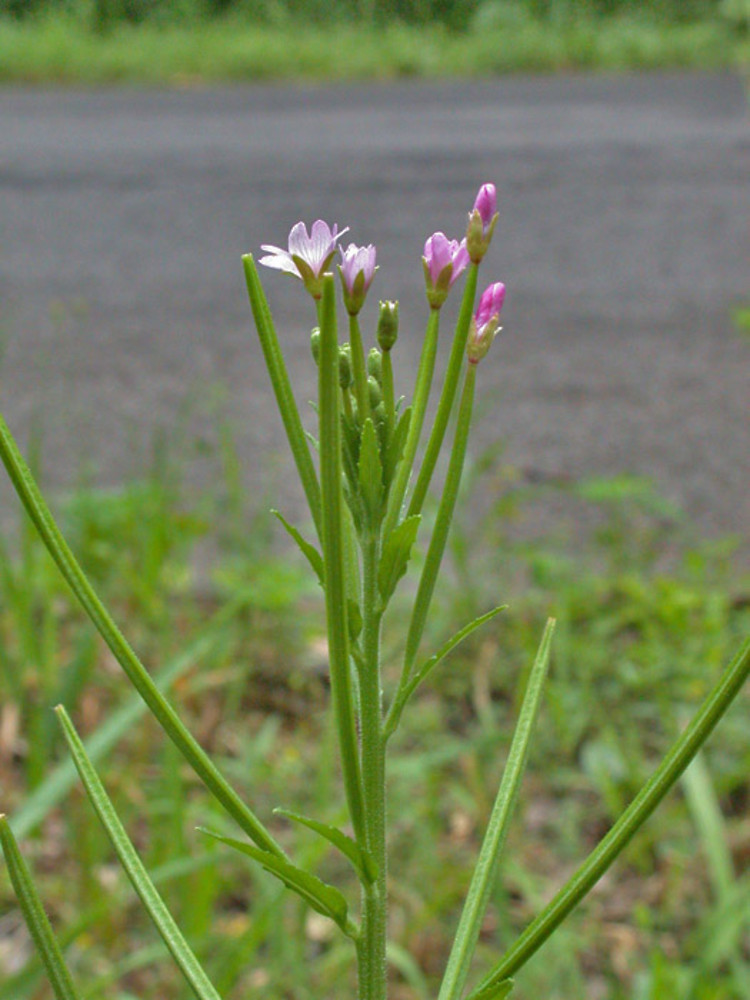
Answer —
(485, 322)
(375, 365)
(443, 260)
(315, 344)
(376, 393)
(357, 269)
(482, 221)
(388, 325)
(346, 376)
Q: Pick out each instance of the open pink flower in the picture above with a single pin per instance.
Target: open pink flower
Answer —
(444, 260)
(308, 256)
(357, 269)
(485, 322)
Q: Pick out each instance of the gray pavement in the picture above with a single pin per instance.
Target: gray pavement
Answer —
(623, 240)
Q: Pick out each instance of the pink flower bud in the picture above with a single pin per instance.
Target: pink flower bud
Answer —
(482, 222)
(485, 323)
(486, 205)
(308, 257)
(444, 260)
(357, 269)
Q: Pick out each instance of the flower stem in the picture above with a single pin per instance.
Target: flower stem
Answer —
(439, 538)
(419, 406)
(388, 395)
(358, 368)
(332, 538)
(448, 394)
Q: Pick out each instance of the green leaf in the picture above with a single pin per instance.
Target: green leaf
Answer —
(308, 550)
(396, 555)
(370, 472)
(429, 665)
(160, 708)
(35, 917)
(362, 860)
(354, 618)
(483, 877)
(165, 924)
(395, 450)
(319, 895)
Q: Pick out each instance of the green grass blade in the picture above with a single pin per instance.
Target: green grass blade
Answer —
(161, 709)
(152, 901)
(38, 804)
(35, 917)
(605, 853)
(485, 871)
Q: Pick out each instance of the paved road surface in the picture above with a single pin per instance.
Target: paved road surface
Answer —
(623, 240)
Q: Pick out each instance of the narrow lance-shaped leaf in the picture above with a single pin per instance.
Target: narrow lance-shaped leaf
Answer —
(36, 919)
(323, 898)
(165, 924)
(396, 555)
(483, 878)
(139, 677)
(362, 860)
(610, 847)
(308, 550)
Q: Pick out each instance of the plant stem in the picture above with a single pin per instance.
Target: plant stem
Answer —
(436, 547)
(359, 371)
(448, 394)
(419, 406)
(677, 759)
(332, 539)
(374, 902)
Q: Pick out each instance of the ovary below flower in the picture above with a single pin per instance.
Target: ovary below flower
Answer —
(357, 269)
(308, 256)
(485, 322)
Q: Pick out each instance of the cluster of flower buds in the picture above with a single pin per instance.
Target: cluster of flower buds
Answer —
(309, 257)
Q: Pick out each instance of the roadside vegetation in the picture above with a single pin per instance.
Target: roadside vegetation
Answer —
(232, 623)
(184, 42)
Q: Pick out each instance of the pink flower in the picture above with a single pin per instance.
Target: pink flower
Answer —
(308, 257)
(444, 260)
(357, 269)
(485, 323)
(486, 205)
(482, 222)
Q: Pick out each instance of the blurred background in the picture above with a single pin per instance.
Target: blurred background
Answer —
(143, 148)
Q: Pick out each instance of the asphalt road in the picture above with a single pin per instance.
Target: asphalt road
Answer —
(623, 240)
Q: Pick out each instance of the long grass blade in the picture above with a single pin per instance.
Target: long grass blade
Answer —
(483, 878)
(141, 680)
(170, 933)
(35, 917)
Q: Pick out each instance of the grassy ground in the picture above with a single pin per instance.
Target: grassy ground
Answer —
(646, 617)
(64, 50)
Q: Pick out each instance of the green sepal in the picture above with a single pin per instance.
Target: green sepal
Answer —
(36, 919)
(319, 895)
(394, 452)
(306, 548)
(363, 862)
(494, 992)
(396, 555)
(370, 472)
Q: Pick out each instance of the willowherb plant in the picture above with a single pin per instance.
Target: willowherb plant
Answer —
(365, 494)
